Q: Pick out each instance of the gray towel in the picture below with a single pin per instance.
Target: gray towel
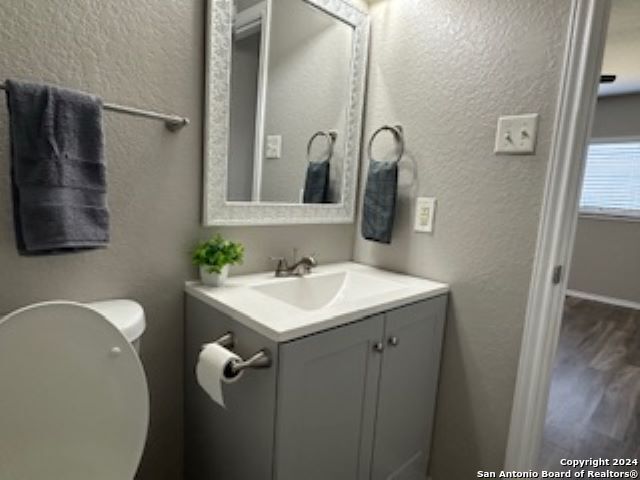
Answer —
(379, 207)
(57, 169)
(316, 185)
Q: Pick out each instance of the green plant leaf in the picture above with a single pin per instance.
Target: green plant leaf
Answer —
(217, 252)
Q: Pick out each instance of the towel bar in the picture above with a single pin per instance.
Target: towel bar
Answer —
(172, 122)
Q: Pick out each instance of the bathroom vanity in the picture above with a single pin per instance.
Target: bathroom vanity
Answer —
(350, 391)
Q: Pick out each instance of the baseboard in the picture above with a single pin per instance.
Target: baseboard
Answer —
(618, 302)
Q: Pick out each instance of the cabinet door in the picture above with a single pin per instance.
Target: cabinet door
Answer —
(408, 385)
(327, 388)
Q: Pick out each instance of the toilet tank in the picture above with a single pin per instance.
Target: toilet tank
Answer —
(126, 315)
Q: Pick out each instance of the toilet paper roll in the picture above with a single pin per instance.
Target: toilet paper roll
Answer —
(212, 370)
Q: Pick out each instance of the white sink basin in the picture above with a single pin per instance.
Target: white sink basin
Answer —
(320, 291)
(287, 308)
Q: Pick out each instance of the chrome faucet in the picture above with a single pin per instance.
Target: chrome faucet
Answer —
(300, 268)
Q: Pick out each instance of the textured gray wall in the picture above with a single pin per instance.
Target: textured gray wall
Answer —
(476, 61)
(617, 116)
(330, 243)
(146, 54)
(149, 54)
(606, 257)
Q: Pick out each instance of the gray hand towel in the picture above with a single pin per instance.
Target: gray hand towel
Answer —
(316, 185)
(378, 211)
(57, 169)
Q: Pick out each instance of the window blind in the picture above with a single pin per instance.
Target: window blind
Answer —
(612, 179)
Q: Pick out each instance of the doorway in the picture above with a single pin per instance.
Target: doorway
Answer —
(578, 93)
(577, 396)
(594, 403)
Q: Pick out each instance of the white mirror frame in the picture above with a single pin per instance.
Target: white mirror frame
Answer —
(216, 209)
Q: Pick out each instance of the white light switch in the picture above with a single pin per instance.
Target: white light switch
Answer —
(517, 134)
(425, 212)
(274, 146)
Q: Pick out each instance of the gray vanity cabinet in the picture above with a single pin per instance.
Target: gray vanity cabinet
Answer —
(328, 384)
(355, 402)
(407, 391)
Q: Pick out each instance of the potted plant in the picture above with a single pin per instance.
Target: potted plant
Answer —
(214, 256)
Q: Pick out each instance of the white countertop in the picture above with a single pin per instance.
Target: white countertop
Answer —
(281, 321)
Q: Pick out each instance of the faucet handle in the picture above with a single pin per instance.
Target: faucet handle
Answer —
(280, 260)
(282, 266)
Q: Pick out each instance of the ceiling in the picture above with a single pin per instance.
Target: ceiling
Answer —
(622, 50)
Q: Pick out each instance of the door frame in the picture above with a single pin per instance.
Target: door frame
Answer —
(556, 232)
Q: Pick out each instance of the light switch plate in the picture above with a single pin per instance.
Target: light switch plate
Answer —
(274, 146)
(425, 213)
(516, 134)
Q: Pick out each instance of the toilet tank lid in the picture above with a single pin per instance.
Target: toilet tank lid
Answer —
(126, 315)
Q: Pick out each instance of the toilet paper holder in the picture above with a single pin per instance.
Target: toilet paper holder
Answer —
(260, 359)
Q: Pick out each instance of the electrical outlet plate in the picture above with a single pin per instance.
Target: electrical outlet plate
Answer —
(274, 146)
(516, 134)
(425, 213)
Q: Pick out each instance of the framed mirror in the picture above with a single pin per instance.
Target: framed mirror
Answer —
(284, 99)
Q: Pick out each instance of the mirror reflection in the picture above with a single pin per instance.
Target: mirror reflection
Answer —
(290, 84)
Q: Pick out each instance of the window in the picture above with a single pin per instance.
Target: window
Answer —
(612, 179)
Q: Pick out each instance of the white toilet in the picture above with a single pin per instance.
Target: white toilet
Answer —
(74, 403)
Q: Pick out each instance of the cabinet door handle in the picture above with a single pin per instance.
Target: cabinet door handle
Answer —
(378, 347)
(394, 341)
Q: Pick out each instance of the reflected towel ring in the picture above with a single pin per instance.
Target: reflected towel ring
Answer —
(398, 135)
(331, 142)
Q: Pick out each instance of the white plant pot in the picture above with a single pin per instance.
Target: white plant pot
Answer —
(213, 279)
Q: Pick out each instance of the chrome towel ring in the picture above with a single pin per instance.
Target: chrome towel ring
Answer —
(398, 135)
(330, 136)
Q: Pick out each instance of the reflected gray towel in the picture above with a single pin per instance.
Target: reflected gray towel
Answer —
(378, 211)
(316, 185)
(57, 169)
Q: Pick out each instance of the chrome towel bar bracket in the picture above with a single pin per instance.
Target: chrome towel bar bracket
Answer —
(227, 340)
(260, 359)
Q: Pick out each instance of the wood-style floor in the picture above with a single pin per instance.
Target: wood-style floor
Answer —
(594, 405)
